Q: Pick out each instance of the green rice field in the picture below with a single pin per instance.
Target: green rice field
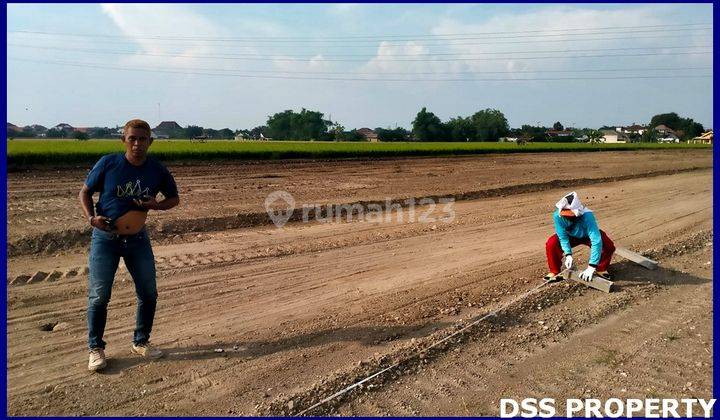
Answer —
(41, 151)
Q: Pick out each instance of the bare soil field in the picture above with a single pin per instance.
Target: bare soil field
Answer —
(259, 320)
(43, 214)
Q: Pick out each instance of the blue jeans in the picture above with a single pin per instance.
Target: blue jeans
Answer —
(105, 252)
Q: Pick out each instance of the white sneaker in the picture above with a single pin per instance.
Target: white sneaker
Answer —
(147, 350)
(97, 359)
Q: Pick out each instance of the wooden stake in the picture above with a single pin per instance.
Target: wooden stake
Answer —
(596, 282)
(636, 258)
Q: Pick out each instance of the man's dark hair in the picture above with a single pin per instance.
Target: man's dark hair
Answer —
(137, 124)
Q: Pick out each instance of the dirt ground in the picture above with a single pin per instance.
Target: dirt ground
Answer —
(258, 320)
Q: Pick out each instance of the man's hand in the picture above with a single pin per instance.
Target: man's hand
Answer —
(568, 261)
(147, 203)
(150, 203)
(101, 222)
(587, 275)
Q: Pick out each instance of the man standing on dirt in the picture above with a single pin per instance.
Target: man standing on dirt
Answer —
(575, 224)
(128, 184)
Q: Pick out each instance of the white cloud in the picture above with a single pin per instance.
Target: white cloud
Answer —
(141, 22)
(345, 8)
(556, 21)
(316, 63)
(505, 35)
(405, 57)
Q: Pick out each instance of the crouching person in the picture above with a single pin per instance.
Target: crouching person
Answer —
(575, 224)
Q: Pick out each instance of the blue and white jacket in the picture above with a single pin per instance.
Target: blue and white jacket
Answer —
(583, 226)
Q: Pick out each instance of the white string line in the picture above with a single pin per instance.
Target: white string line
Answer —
(435, 344)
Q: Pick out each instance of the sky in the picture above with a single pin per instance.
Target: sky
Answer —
(362, 65)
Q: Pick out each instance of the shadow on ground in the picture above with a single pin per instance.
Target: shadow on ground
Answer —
(627, 276)
(366, 335)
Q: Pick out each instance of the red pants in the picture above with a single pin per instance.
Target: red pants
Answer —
(555, 252)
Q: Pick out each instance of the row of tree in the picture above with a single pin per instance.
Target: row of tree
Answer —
(193, 131)
(106, 133)
(59, 133)
(685, 128)
(311, 125)
(484, 125)
(491, 125)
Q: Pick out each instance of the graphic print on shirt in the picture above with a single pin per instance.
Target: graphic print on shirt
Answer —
(135, 191)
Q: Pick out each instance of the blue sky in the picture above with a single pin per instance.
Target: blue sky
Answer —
(232, 65)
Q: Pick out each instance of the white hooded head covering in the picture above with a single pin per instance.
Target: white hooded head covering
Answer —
(572, 202)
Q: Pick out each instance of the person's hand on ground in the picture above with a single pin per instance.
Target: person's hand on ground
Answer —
(587, 274)
(568, 261)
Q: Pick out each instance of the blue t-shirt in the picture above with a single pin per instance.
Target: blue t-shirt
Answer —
(119, 182)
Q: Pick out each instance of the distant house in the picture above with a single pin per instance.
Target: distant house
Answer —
(705, 138)
(13, 128)
(554, 134)
(63, 130)
(668, 138)
(37, 129)
(64, 127)
(244, 136)
(156, 135)
(666, 134)
(632, 129)
(167, 128)
(85, 130)
(663, 129)
(368, 134)
(523, 139)
(614, 136)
